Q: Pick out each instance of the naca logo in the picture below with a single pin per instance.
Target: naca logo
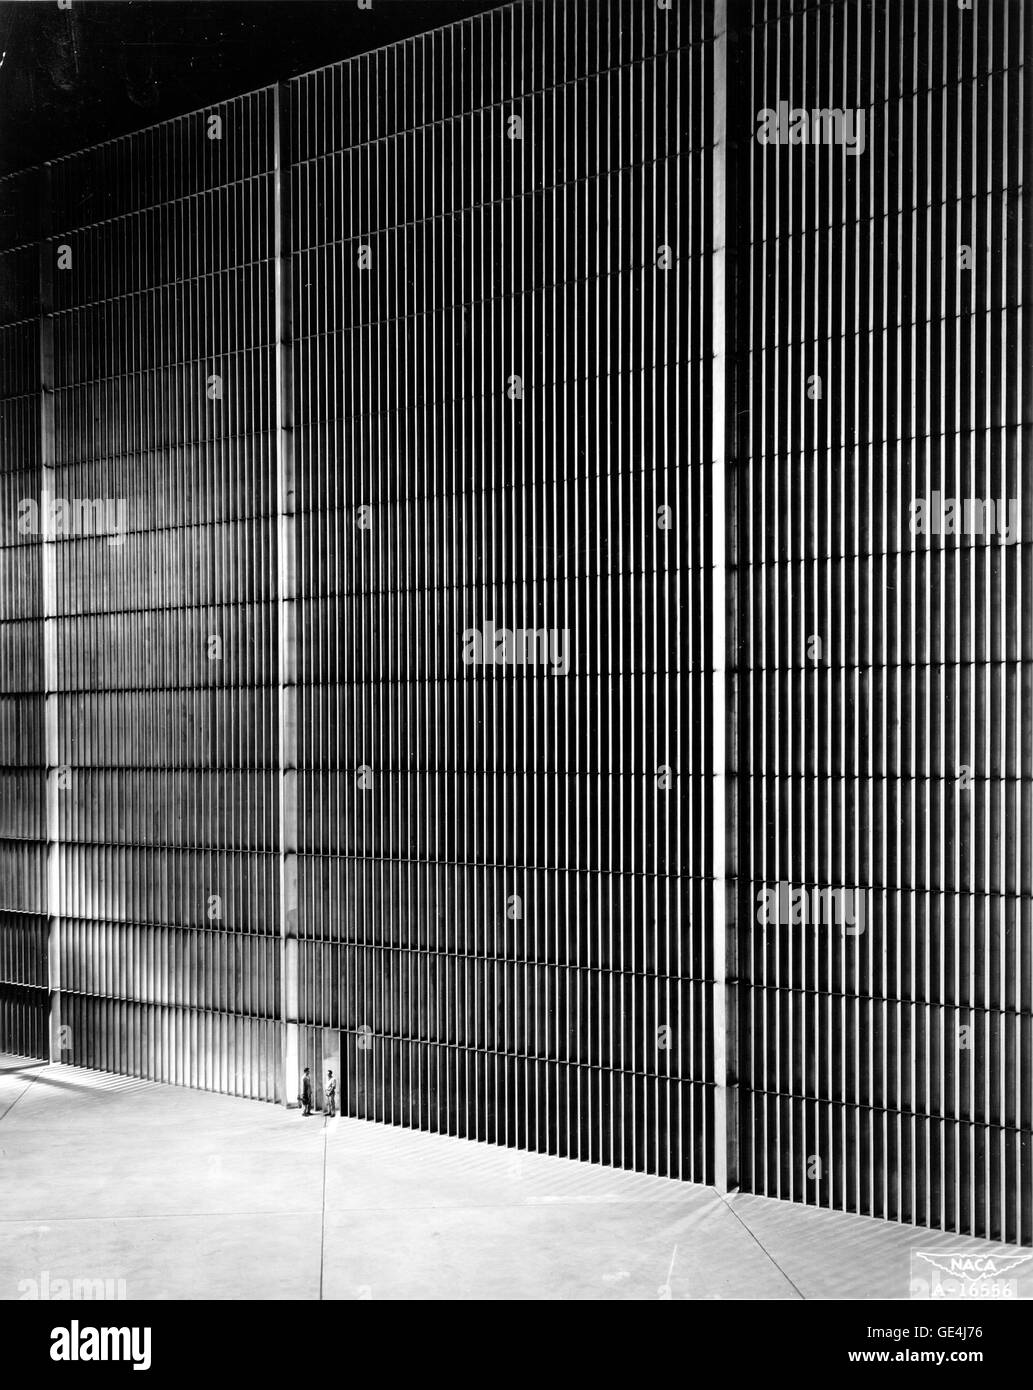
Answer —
(971, 1275)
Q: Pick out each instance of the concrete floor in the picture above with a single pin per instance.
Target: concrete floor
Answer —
(182, 1194)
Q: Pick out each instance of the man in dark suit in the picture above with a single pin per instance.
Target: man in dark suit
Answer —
(306, 1093)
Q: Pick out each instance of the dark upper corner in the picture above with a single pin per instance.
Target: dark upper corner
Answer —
(102, 68)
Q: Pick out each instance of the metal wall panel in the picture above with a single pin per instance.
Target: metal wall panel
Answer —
(167, 960)
(884, 355)
(23, 830)
(501, 367)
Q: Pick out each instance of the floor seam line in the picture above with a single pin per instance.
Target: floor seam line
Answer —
(311, 1211)
(22, 1093)
(322, 1221)
(760, 1245)
(157, 1216)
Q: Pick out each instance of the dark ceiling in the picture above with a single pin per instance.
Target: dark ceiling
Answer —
(99, 68)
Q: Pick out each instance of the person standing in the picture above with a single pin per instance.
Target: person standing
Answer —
(306, 1093)
(331, 1094)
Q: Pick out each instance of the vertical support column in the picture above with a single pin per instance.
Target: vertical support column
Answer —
(723, 578)
(48, 576)
(286, 618)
